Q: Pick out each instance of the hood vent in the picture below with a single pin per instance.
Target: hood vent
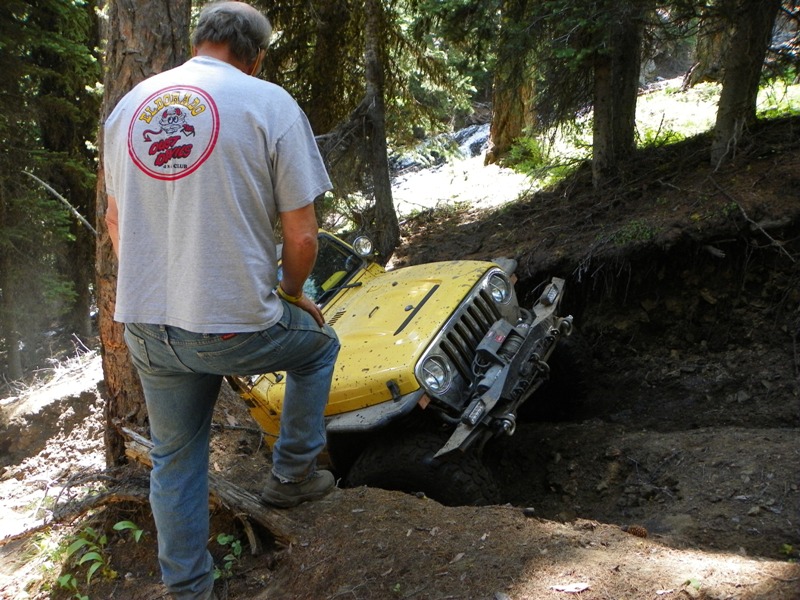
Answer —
(336, 316)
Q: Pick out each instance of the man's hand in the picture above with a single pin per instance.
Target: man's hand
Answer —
(307, 304)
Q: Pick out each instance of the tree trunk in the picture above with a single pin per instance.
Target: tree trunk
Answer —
(713, 41)
(603, 155)
(737, 102)
(144, 37)
(326, 87)
(383, 223)
(79, 319)
(512, 94)
(75, 259)
(616, 83)
(511, 117)
(8, 327)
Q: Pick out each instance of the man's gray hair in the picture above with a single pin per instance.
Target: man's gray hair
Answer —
(244, 29)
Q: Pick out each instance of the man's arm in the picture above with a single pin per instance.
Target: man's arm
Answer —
(112, 222)
(299, 254)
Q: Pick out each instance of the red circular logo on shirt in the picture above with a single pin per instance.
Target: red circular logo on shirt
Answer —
(173, 132)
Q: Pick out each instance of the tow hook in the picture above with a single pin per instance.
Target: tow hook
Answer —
(508, 424)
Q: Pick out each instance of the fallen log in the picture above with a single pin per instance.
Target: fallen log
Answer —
(244, 505)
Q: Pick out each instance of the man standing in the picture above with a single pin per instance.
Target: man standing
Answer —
(202, 162)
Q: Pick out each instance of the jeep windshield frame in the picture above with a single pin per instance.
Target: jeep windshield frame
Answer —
(335, 266)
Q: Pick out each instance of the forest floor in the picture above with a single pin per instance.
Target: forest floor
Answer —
(675, 477)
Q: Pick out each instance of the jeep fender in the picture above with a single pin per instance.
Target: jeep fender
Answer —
(374, 417)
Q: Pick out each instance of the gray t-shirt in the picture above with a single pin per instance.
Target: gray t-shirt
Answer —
(201, 159)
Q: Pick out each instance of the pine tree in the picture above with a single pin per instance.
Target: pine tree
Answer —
(134, 51)
(47, 120)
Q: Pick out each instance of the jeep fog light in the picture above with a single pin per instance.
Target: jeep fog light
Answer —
(436, 374)
(500, 288)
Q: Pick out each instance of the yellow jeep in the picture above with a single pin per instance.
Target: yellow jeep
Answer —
(435, 360)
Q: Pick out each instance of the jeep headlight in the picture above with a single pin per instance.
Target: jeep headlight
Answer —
(436, 374)
(500, 288)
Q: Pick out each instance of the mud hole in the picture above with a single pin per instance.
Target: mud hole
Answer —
(689, 424)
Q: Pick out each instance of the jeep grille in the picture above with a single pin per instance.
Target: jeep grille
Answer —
(458, 340)
(465, 334)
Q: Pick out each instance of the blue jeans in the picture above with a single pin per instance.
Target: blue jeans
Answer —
(181, 374)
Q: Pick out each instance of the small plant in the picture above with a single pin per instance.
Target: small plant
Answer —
(87, 547)
(135, 530)
(538, 158)
(789, 552)
(693, 583)
(730, 209)
(780, 98)
(635, 231)
(655, 138)
(69, 582)
(231, 558)
(528, 155)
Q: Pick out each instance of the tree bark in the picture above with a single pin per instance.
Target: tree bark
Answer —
(512, 93)
(382, 223)
(326, 89)
(616, 83)
(8, 327)
(144, 37)
(713, 41)
(510, 117)
(603, 155)
(81, 273)
(737, 102)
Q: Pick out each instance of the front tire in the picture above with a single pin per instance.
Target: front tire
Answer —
(405, 463)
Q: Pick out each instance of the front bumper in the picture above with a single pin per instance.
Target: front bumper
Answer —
(512, 363)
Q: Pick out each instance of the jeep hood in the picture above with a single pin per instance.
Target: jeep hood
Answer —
(384, 326)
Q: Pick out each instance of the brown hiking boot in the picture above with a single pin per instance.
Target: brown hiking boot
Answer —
(286, 495)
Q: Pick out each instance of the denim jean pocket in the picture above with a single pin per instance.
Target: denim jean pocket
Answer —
(245, 354)
(137, 348)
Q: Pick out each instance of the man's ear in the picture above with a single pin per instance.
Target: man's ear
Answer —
(259, 60)
(194, 51)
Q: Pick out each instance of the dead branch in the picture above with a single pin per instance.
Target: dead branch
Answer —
(71, 208)
(121, 489)
(335, 144)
